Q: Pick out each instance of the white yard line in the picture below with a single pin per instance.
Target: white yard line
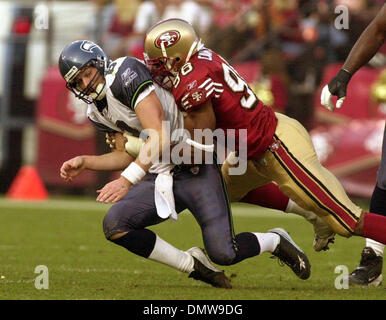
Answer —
(78, 205)
(91, 205)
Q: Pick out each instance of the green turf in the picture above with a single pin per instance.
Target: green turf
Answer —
(67, 237)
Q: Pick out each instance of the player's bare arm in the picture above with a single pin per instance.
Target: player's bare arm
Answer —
(113, 161)
(150, 113)
(201, 117)
(118, 159)
(364, 49)
(368, 43)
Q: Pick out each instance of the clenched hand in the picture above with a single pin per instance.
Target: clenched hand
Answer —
(72, 168)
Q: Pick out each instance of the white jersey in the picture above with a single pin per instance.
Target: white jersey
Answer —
(128, 82)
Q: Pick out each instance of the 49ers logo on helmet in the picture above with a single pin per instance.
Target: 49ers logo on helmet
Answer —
(168, 38)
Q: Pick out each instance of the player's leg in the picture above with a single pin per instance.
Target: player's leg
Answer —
(211, 209)
(270, 196)
(252, 188)
(125, 225)
(292, 162)
(369, 272)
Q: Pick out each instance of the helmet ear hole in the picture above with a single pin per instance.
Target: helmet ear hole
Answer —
(178, 59)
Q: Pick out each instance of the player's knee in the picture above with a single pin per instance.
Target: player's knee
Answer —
(116, 236)
(108, 226)
(222, 258)
(112, 226)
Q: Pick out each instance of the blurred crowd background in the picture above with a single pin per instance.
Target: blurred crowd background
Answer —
(286, 49)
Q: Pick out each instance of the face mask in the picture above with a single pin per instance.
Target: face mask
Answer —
(100, 92)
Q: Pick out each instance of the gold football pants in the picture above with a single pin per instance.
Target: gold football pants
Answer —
(292, 163)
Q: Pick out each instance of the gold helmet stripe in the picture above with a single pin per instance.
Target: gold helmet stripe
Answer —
(163, 49)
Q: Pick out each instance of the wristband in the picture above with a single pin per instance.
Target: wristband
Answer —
(134, 173)
(344, 76)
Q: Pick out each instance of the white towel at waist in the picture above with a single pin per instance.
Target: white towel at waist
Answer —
(164, 197)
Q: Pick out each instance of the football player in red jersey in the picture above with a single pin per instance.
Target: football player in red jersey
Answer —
(278, 148)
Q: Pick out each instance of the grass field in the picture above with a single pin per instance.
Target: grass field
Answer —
(66, 236)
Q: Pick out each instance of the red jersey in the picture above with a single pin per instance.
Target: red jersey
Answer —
(207, 76)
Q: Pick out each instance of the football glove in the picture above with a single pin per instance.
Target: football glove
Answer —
(336, 87)
(133, 144)
(116, 141)
(110, 139)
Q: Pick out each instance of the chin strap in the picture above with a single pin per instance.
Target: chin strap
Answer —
(100, 92)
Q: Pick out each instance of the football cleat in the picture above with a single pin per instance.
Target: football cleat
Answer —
(289, 253)
(323, 235)
(205, 271)
(369, 271)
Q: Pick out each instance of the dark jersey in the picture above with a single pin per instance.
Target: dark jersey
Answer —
(127, 78)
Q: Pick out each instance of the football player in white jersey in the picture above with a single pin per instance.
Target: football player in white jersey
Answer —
(122, 97)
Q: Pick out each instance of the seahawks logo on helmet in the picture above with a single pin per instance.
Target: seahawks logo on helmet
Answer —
(168, 39)
(88, 46)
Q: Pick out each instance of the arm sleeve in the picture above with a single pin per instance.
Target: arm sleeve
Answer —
(196, 93)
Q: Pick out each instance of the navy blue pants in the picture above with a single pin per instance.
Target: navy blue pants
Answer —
(381, 178)
(201, 191)
(378, 198)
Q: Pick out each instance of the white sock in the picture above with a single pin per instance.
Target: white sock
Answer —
(376, 246)
(165, 253)
(268, 241)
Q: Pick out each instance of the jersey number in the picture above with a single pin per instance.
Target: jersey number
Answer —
(111, 68)
(237, 84)
(186, 68)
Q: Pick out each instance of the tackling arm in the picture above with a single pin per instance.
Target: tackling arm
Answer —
(201, 117)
